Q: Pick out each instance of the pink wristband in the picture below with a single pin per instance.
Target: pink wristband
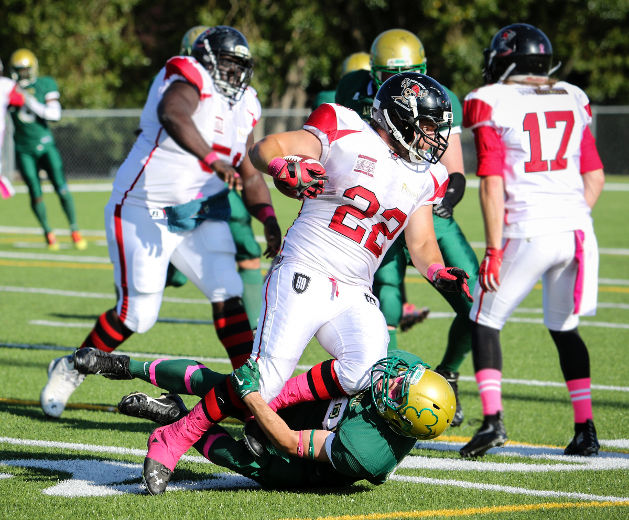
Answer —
(210, 158)
(300, 446)
(264, 212)
(432, 269)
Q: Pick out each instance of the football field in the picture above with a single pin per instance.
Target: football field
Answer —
(88, 463)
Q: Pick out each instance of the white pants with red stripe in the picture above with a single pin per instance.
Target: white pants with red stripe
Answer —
(140, 248)
(300, 303)
(567, 264)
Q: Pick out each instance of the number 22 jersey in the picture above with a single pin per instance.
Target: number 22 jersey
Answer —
(370, 194)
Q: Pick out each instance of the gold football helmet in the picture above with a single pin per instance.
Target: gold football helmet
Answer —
(188, 39)
(355, 61)
(396, 50)
(23, 66)
(415, 401)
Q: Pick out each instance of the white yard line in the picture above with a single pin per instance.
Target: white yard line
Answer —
(225, 361)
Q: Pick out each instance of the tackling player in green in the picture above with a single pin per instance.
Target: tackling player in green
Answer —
(35, 147)
(335, 442)
(393, 51)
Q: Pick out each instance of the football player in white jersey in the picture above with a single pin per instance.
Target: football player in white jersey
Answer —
(363, 184)
(169, 202)
(10, 96)
(540, 175)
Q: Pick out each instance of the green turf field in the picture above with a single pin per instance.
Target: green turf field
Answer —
(87, 464)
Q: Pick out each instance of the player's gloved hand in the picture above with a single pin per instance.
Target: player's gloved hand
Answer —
(450, 279)
(273, 236)
(245, 379)
(489, 271)
(304, 175)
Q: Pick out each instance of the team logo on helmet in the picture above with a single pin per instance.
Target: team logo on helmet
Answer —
(504, 47)
(411, 92)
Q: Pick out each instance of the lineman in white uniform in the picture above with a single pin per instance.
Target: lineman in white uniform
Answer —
(9, 97)
(383, 178)
(169, 201)
(540, 176)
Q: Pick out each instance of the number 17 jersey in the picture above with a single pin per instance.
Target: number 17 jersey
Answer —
(538, 139)
(370, 194)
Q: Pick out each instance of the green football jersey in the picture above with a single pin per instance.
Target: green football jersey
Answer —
(356, 90)
(31, 131)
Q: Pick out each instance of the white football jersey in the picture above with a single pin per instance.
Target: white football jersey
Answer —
(158, 172)
(7, 94)
(367, 201)
(541, 130)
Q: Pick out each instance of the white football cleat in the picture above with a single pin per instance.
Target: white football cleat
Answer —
(63, 380)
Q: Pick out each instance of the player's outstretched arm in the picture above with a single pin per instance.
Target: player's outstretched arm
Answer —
(307, 443)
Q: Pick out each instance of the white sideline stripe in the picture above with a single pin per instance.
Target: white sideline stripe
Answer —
(419, 463)
(505, 489)
(101, 233)
(224, 361)
(107, 296)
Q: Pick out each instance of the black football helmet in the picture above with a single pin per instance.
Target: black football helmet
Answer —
(224, 52)
(517, 49)
(403, 102)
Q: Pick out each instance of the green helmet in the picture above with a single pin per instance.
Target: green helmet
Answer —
(23, 65)
(396, 50)
(415, 401)
(188, 39)
(355, 61)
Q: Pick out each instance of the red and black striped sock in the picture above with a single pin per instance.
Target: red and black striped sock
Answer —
(234, 331)
(323, 381)
(221, 401)
(108, 333)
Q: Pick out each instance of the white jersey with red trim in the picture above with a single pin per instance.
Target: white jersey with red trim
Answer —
(8, 94)
(541, 129)
(367, 201)
(158, 172)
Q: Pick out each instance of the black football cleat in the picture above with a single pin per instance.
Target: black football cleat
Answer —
(490, 435)
(411, 316)
(584, 442)
(453, 379)
(165, 409)
(156, 476)
(254, 439)
(90, 360)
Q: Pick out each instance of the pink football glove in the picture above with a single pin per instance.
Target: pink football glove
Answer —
(304, 175)
(450, 279)
(489, 271)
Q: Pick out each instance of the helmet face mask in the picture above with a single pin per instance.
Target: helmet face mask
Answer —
(415, 401)
(395, 51)
(23, 66)
(224, 52)
(405, 106)
(518, 49)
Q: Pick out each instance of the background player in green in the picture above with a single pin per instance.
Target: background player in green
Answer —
(248, 251)
(35, 146)
(354, 438)
(355, 61)
(393, 51)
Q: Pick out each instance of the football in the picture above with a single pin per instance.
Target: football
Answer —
(296, 158)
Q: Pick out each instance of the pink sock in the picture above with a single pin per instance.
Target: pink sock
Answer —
(489, 387)
(168, 443)
(581, 398)
(208, 443)
(296, 390)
